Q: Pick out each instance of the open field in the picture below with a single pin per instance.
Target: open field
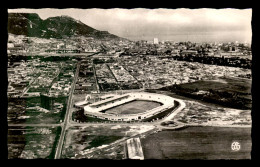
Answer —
(198, 143)
(229, 92)
(37, 118)
(198, 112)
(234, 85)
(84, 138)
(174, 95)
(32, 142)
(81, 141)
(201, 114)
(114, 152)
(133, 107)
(24, 111)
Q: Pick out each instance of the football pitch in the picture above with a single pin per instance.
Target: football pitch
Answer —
(133, 107)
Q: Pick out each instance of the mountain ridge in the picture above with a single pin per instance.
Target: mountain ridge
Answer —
(31, 25)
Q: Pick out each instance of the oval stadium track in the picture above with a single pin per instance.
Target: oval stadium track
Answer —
(168, 104)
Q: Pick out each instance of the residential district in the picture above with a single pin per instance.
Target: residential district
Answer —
(47, 78)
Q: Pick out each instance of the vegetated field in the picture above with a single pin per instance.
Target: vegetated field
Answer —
(79, 139)
(199, 113)
(32, 142)
(198, 143)
(18, 113)
(235, 85)
(88, 138)
(229, 92)
(133, 107)
(116, 152)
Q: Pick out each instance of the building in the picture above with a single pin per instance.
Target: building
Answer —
(155, 41)
(97, 109)
(134, 149)
(82, 104)
(189, 52)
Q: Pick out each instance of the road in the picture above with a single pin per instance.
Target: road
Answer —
(41, 124)
(176, 111)
(61, 140)
(157, 127)
(95, 76)
(67, 124)
(27, 88)
(156, 123)
(25, 91)
(40, 53)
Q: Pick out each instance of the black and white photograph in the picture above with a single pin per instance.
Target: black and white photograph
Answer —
(129, 84)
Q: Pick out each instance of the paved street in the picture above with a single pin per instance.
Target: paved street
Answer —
(68, 123)
(42, 124)
(60, 144)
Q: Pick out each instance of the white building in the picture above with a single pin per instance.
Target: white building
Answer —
(134, 149)
(155, 41)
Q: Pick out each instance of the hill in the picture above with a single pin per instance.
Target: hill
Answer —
(31, 25)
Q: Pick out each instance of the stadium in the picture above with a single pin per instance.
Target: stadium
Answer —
(136, 106)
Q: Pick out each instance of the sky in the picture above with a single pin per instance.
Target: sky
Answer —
(195, 25)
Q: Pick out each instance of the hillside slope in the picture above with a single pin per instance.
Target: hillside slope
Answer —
(31, 25)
